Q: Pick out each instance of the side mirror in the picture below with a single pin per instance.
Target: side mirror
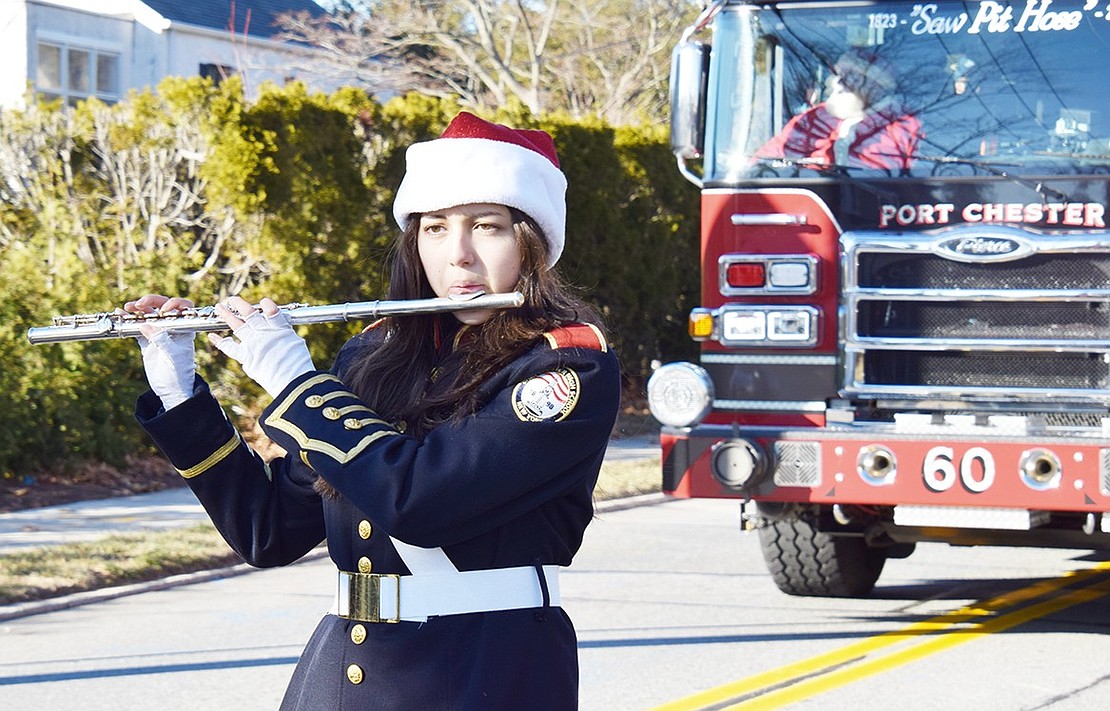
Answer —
(689, 82)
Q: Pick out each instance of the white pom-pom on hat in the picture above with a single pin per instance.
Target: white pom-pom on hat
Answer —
(476, 161)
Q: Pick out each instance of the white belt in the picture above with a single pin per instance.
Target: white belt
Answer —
(373, 597)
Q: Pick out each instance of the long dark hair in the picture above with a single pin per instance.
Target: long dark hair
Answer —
(404, 376)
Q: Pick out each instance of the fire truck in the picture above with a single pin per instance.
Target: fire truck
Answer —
(904, 321)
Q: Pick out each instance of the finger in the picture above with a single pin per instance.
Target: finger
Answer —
(177, 303)
(133, 307)
(229, 347)
(241, 306)
(214, 340)
(148, 331)
(150, 302)
(229, 317)
(269, 307)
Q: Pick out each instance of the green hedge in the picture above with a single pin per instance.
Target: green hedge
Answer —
(190, 190)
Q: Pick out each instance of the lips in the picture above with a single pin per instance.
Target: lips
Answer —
(465, 290)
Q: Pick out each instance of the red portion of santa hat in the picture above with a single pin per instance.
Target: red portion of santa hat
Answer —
(467, 125)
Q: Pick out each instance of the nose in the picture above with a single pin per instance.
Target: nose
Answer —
(460, 251)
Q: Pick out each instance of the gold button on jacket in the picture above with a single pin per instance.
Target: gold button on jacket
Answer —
(364, 565)
(354, 674)
(358, 634)
(364, 529)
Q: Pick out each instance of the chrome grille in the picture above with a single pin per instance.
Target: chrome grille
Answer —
(896, 270)
(1025, 318)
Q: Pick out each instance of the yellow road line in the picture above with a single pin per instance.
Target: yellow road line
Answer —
(952, 638)
(847, 660)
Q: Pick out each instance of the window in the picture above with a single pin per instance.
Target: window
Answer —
(991, 103)
(76, 73)
(216, 72)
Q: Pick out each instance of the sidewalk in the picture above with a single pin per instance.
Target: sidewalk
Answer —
(89, 520)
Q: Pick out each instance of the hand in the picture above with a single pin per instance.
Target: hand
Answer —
(264, 343)
(169, 359)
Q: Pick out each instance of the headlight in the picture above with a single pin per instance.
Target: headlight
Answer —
(680, 394)
(767, 325)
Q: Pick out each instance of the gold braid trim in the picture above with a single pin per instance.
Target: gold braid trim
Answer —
(212, 460)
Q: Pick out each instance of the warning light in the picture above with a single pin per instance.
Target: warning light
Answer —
(700, 324)
(746, 275)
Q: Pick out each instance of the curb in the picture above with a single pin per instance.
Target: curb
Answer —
(65, 602)
(37, 607)
(630, 502)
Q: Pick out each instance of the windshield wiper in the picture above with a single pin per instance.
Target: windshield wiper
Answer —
(817, 165)
(993, 167)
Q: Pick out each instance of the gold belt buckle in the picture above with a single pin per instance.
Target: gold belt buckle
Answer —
(365, 597)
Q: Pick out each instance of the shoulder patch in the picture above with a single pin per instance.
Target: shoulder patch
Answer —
(550, 396)
(577, 335)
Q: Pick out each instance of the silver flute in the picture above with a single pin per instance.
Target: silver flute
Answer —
(94, 327)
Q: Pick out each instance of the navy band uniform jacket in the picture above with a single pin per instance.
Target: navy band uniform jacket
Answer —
(510, 485)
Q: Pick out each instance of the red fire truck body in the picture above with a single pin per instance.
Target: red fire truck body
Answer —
(903, 338)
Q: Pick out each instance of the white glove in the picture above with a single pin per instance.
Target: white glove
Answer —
(267, 347)
(170, 364)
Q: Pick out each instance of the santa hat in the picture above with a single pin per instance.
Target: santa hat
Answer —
(477, 161)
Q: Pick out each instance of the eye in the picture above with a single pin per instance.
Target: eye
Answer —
(433, 228)
(489, 226)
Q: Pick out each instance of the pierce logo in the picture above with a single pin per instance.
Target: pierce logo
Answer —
(982, 248)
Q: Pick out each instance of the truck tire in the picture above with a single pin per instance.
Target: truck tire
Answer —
(805, 561)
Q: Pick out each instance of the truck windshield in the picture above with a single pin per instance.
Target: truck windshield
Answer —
(901, 89)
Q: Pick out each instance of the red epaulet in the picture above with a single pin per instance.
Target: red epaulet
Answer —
(374, 325)
(577, 335)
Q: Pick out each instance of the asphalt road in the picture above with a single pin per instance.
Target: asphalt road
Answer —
(670, 601)
(677, 611)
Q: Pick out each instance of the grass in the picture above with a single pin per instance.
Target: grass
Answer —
(119, 559)
(628, 478)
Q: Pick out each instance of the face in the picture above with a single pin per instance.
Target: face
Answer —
(842, 103)
(468, 249)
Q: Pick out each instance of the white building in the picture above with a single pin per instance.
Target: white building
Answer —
(80, 48)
